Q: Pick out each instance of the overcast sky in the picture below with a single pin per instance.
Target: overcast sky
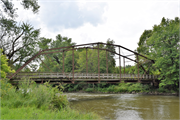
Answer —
(97, 20)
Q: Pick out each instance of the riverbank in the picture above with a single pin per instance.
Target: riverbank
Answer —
(32, 101)
(143, 93)
(121, 88)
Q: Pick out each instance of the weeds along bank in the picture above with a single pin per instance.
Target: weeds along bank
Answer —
(32, 101)
(117, 88)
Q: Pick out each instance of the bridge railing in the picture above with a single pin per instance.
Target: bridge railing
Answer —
(80, 75)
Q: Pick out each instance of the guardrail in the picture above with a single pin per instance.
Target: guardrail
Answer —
(80, 75)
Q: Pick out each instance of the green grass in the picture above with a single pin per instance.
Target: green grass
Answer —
(32, 101)
(34, 113)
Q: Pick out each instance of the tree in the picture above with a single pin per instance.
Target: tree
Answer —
(142, 44)
(68, 61)
(93, 59)
(162, 45)
(165, 48)
(4, 66)
(111, 60)
(56, 61)
(44, 43)
(9, 10)
(18, 40)
(60, 42)
(143, 49)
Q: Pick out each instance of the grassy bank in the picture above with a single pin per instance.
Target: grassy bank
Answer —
(32, 101)
(117, 88)
(34, 113)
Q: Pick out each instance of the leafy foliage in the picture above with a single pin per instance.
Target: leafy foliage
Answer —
(56, 61)
(4, 66)
(162, 45)
(36, 102)
(43, 96)
(8, 7)
(18, 40)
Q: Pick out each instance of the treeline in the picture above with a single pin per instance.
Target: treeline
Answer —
(162, 45)
(20, 41)
(55, 61)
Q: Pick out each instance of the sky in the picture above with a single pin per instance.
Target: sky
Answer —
(88, 21)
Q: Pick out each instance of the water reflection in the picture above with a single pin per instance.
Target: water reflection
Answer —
(127, 106)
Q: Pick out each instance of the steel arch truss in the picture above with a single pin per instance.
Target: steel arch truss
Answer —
(88, 46)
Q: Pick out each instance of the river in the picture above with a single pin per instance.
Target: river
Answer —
(126, 106)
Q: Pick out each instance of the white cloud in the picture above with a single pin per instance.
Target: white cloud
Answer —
(123, 21)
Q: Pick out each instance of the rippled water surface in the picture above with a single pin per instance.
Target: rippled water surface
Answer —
(127, 106)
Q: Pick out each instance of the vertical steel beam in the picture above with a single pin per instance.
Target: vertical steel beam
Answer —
(98, 66)
(119, 65)
(73, 64)
(63, 61)
(106, 62)
(86, 63)
(124, 65)
(138, 67)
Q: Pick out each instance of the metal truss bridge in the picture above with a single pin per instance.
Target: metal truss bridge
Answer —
(72, 77)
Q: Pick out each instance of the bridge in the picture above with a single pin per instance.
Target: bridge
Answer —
(73, 77)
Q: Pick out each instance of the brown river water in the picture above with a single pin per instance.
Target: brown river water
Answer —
(127, 106)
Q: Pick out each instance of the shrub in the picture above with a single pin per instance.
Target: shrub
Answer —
(146, 88)
(5, 87)
(110, 88)
(89, 90)
(70, 89)
(4, 65)
(30, 95)
(135, 87)
(161, 90)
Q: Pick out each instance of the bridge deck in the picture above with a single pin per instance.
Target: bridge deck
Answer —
(89, 77)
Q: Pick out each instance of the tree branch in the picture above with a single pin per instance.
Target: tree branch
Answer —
(16, 40)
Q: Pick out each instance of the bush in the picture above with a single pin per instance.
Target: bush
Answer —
(4, 65)
(5, 87)
(137, 87)
(146, 88)
(30, 95)
(110, 88)
(161, 90)
(70, 89)
(89, 90)
(37, 102)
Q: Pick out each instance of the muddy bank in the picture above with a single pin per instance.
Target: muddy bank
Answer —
(143, 93)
